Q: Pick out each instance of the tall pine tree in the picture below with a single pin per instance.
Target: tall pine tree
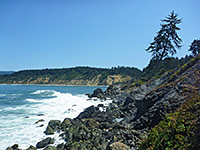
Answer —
(167, 39)
(195, 47)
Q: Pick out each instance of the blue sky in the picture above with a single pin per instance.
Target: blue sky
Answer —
(38, 34)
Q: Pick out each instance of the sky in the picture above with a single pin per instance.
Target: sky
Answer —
(39, 34)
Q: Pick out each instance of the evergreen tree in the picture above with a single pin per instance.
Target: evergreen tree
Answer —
(195, 47)
(167, 39)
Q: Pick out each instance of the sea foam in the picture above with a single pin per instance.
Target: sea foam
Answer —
(24, 131)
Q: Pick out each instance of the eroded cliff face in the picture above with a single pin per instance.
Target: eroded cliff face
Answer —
(109, 80)
(153, 100)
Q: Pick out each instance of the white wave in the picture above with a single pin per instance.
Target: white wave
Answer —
(33, 100)
(43, 92)
(2, 95)
(25, 132)
(15, 94)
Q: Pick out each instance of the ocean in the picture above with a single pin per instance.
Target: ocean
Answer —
(21, 106)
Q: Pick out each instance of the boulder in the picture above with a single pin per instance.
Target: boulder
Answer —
(66, 122)
(53, 125)
(41, 120)
(49, 147)
(60, 146)
(117, 146)
(97, 92)
(31, 148)
(49, 131)
(101, 96)
(89, 95)
(112, 90)
(88, 112)
(104, 125)
(15, 146)
(45, 142)
(128, 101)
(90, 123)
(41, 125)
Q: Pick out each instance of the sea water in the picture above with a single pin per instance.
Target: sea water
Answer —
(21, 106)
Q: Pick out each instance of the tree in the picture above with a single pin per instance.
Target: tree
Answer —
(195, 47)
(167, 39)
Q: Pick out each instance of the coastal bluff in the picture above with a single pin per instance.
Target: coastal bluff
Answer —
(87, 76)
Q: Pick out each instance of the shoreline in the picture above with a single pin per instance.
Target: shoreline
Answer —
(46, 117)
(57, 85)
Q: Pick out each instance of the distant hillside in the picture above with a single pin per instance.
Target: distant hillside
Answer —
(6, 72)
(129, 77)
(72, 76)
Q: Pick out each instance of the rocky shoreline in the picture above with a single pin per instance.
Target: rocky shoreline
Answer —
(126, 121)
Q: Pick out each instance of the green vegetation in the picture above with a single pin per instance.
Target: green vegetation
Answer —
(66, 75)
(167, 40)
(179, 130)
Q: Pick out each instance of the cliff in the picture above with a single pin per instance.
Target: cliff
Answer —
(72, 76)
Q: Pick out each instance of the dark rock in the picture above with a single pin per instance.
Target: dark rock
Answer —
(103, 146)
(49, 147)
(77, 136)
(88, 113)
(66, 122)
(49, 131)
(89, 95)
(53, 125)
(104, 125)
(9, 148)
(118, 146)
(41, 120)
(100, 105)
(112, 90)
(101, 96)
(26, 117)
(90, 123)
(45, 142)
(40, 114)
(97, 92)
(31, 148)
(82, 147)
(41, 125)
(15, 146)
(60, 146)
(128, 101)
